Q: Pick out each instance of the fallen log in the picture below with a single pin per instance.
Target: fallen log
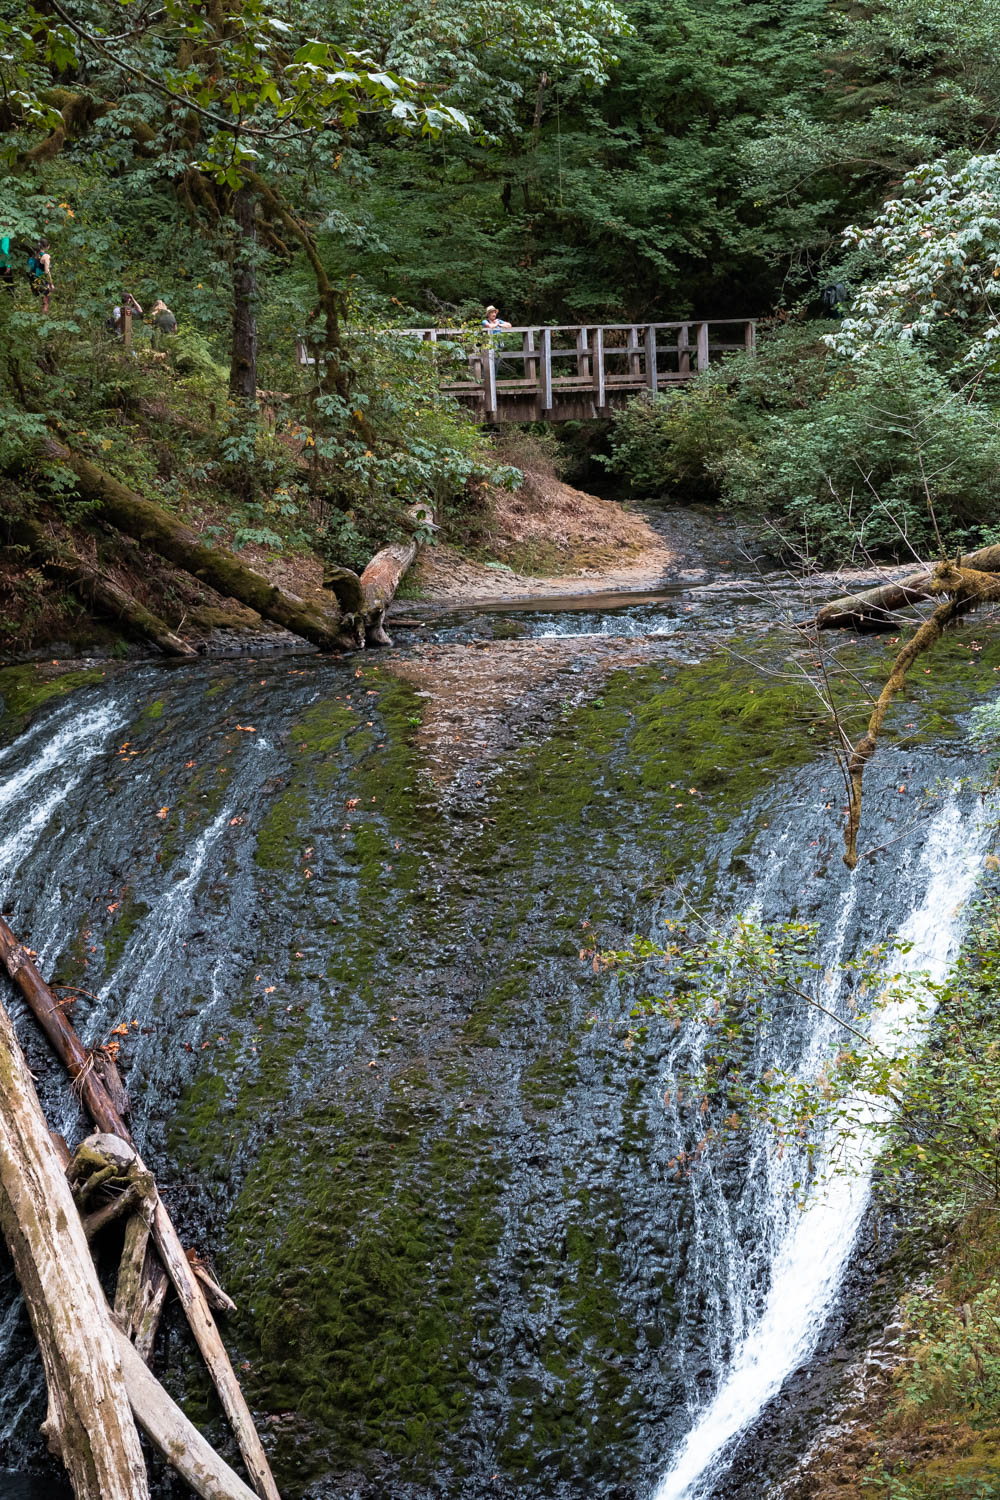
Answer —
(152, 1297)
(106, 1117)
(364, 600)
(180, 1442)
(875, 609)
(154, 527)
(96, 588)
(89, 1422)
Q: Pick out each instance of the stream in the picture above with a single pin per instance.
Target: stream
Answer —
(347, 912)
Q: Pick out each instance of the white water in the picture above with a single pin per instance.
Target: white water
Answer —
(45, 782)
(811, 1247)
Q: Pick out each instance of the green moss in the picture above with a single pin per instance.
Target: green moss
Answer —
(24, 689)
(365, 1320)
(363, 1311)
(130, 913)
(153, 710)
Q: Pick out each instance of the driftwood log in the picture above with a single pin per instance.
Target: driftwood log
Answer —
(961, 586)
(180, 1442)
(105, 1166)
(106, 1117)
(154, 527)
(89, 1423)
(877, 609)
(364, 598)
(95, 588)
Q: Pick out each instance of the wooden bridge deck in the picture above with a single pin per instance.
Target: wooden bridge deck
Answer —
(574, 371)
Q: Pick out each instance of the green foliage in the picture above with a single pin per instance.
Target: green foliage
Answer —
(933, 1111)
(838, 459)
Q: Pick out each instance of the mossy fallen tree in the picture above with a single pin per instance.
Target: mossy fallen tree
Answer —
(156, 528)
(966, 587)
(877, 609)
(95, 588)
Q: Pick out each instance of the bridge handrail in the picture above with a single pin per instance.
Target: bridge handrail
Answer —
(473, 329)
(653, 360)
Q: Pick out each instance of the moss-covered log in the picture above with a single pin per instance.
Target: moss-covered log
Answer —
(876, 609)
(89, 1424)
(968, 587)
(154, 527)
(95, 588)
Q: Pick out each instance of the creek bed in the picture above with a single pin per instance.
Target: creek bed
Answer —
(372, 1058)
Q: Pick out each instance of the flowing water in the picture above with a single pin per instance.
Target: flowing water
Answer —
(379, 1073)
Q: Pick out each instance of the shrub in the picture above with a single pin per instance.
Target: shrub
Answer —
(875, 456)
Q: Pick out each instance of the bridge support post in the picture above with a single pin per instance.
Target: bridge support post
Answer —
(651, 380)
(545, 383)
(702, 347)
(582, 353)
(684, 349)
(490, 379)
(528, 347)
(634, 366)
(750, 335)
(600, 399)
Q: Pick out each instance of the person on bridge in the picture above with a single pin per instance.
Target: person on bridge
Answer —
(494, 321)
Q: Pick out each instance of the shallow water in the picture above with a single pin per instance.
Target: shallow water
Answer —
(375, 1066)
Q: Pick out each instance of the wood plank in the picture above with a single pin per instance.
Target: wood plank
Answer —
(545, 388)
(598, 368)
(650, 341)
(684, 349)
(702, 346)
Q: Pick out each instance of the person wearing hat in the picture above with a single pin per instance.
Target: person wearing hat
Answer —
(494, 321)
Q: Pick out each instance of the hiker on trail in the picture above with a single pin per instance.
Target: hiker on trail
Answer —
(6, 265)
(116, 322)
(40, 273)
(493, 320)
(163, 319)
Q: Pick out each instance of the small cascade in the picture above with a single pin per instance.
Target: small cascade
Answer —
(341, 977)
(808, 1248)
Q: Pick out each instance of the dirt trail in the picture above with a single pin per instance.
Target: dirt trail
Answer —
(549, 538)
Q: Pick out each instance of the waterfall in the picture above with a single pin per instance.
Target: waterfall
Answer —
(809, 1247)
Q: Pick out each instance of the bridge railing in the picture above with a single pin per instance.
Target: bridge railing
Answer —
(536, 363)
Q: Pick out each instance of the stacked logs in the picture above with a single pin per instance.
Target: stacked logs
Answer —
(96, 1357)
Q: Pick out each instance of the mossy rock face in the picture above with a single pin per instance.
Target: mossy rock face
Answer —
(25, 689)
(403, 1125)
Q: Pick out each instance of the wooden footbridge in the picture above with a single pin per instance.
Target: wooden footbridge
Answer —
(574, 371)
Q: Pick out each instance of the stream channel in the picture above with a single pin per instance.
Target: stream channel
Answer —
(347, 911)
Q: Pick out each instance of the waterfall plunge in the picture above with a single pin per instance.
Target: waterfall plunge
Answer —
(811, 1251)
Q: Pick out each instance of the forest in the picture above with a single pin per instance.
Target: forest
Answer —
(572, 1025)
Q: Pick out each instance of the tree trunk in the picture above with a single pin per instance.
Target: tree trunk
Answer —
(181, 1444)
(106, 596)
(89, 1423)
(102, 1111)
(379, 583)
(154, 527)
(874, 609)
(243, 365)
(364, 601)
